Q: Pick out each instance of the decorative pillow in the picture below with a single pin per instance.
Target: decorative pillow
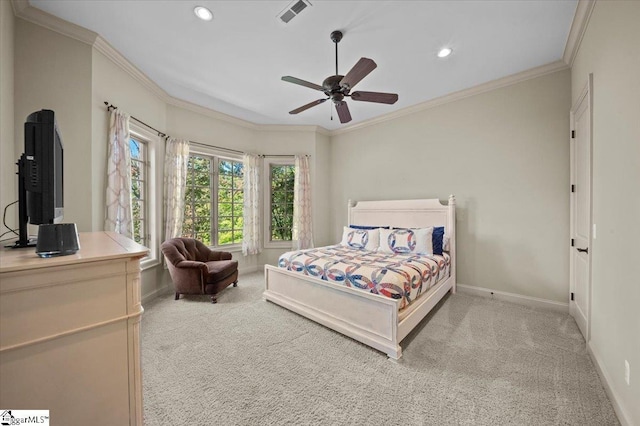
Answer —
(365, 239)
(438, 240)
(367, 227)
(445, 243)
(403, 240)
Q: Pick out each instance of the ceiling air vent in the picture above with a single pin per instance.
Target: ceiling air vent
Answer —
(292, 10)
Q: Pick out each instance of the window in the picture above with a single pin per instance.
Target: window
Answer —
(139, 190)
(213, 200)
(279, 217)
(230, 201)
(145, 190)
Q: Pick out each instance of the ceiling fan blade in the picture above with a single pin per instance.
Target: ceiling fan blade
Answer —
(343, 112)
(382, 98)
(302, 83)
(359, 71)
(307, 106)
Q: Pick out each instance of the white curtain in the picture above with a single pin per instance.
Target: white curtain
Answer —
(175, 184)
(251, 209)
(302, 236)
(118, 197)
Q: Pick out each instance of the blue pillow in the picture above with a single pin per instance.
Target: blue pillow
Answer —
(367, 227)
(438, 238)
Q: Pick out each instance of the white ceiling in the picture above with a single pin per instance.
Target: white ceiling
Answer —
(233, 64)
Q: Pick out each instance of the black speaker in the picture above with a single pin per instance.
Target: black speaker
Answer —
(59, 239)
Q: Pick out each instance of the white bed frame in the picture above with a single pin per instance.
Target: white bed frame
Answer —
(368, 318)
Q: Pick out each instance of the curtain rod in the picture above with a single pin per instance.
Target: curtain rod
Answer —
(110, 106)
(204, 145)
(161, 134)
(281, 155)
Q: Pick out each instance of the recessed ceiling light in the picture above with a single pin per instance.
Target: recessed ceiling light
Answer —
(203, 13)
(444, 52)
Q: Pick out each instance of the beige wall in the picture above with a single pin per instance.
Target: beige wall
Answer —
(112, 84)
(504, 154)
(53, 71)
(322, 231)
(610, 51)
(8, 156)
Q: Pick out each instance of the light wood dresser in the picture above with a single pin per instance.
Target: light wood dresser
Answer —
(70, 332)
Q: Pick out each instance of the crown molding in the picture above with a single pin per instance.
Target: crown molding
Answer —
(102, 46)
(578, 28)
(209, 112)
(179, 103)
(22, 9)
(456, 96)
(19, 6)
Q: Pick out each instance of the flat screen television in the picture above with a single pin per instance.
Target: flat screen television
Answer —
(40, 175)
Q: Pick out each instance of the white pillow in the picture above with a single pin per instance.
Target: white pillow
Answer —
(366, 239)
(403, 240)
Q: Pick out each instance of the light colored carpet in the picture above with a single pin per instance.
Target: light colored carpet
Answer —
(474, 360)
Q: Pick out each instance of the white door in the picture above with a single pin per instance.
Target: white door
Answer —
(580, 271)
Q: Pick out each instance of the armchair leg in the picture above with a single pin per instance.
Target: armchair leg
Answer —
(235, 283)
(214, 299)
(177, 296)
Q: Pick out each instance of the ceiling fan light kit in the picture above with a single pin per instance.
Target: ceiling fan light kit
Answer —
(337, 87)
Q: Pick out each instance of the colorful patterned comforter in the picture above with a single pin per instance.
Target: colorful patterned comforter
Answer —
(398, 276)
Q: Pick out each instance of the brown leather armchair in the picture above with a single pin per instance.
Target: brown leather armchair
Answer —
(196, 269)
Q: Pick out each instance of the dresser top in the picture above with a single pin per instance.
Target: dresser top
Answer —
(94, 246)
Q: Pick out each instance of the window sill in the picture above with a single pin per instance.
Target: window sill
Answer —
(278, 245)
(235, 248)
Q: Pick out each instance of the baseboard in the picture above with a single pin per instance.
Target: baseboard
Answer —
(155, 293)
(515, 298)
(249, 269)
(623, 417)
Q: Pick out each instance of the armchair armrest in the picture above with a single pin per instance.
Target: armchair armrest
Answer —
(190, 273)
(192, 264)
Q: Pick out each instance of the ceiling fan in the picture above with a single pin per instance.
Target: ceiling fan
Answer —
(337, 87)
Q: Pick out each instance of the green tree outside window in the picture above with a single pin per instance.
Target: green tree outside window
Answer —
(282, 184)
(201, 193)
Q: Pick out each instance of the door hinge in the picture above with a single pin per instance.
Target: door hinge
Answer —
(572, 296)
(573, 134)
(573, 242)
(573, 188)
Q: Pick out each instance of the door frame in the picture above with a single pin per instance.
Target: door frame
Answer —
(586, 95)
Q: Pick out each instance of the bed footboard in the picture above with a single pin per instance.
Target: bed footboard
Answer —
(367, 318)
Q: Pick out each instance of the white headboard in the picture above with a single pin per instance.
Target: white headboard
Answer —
(404, 213)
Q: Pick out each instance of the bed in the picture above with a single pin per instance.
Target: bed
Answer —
(377, 320)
